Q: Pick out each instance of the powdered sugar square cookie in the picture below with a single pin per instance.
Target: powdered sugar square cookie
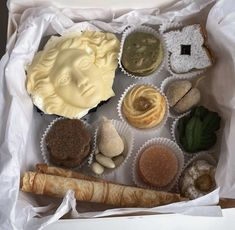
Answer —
(187, 50)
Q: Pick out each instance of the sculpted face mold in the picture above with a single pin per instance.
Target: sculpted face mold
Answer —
(73, 73)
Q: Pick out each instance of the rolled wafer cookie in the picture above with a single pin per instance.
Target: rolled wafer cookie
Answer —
(99, 192)
(57, 171)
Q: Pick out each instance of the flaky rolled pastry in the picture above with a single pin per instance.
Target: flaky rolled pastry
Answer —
(57, 171)
(99, 192)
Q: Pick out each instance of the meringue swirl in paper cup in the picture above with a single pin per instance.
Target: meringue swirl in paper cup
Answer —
(174, 168)
(139, 49)
(143, 107)
(45, 152)
(127, 136)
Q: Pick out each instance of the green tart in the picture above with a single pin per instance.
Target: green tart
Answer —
(142, 53)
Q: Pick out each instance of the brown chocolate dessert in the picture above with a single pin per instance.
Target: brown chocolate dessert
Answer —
(68, 142)
(158, 165)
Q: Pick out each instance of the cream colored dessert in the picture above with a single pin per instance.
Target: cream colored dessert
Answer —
(144, 107)
(198, 180)
(182, 96)
(73, 73)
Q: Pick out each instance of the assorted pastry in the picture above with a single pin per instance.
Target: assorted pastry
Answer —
(198, 179)
(197, 130)
(89, 190)
(68, 142)
(182, 96)
(111, 148)
(157, 165)
(144, 106)
(142, 53)
(187, 49)
(75, 72)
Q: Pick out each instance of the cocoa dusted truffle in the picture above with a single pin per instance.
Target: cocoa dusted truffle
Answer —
(68, 142)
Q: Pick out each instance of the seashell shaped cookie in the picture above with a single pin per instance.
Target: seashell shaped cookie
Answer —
(187, 50)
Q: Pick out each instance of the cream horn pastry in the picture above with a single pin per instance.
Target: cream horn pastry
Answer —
(99, 192)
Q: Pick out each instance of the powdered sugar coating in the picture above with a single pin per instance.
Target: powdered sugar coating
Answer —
(198, 58)
(191, 174)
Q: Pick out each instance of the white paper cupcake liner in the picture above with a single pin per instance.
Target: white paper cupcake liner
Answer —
(45, 153)
(171, 26)
(149, 30)
(125, 133)
(163, 88)
(159, 141)
(175, 137)
(205, 155)
(122, 117)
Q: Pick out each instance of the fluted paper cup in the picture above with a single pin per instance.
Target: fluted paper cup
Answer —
(206, 156)
(144, 29)
(156, 128)
(163, 142)
(44, 151)
(175, 137)
(164, 85)
(127, 136)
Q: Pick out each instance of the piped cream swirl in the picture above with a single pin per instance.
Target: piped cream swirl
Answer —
(151, 110)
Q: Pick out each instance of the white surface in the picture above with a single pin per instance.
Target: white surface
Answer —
(179, 222)
(19, 138)
(105, 4)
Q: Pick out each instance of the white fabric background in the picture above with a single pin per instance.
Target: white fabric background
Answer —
(21, 126)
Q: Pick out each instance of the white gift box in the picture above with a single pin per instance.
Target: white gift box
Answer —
(18, 139)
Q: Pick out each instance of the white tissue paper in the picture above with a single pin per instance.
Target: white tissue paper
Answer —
(21, 126)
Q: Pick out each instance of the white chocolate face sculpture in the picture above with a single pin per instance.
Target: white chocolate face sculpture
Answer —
(73, 73)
